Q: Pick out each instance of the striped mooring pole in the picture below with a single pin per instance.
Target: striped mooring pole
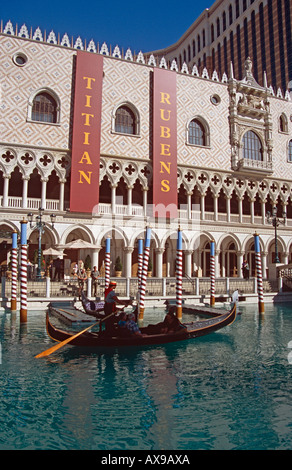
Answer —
(23, 272)
(13, 305)
(107, 261)
(179, 275)
(144, 273)
(212, 273)
(140, 261)
(258, 262)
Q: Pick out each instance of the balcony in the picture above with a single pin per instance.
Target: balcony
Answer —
(250, 166)
(14, 202)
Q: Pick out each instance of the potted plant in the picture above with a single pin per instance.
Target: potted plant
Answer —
(149, 269)
(118, 267)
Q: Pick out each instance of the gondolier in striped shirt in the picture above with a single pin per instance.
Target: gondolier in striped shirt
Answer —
(111, 300)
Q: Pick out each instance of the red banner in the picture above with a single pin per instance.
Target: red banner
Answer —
(164, 144)
(86, 132)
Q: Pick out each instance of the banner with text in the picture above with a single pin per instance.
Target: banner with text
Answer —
(164, 144)
(84, 194)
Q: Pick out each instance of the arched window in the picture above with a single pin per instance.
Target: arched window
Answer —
(125, 121)
(197, 134)
(252, 147)
(230, 15)
(283, 123)
(290, 151)
(44, 108)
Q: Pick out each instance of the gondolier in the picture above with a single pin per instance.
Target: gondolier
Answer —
(111, 300)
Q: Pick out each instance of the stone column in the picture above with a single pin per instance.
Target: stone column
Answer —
(227, 197)
(128, 258)
(263, 206)
(25, 180)
(252, 210)
(145, 190)
(159, 257)
(113, 198)
(44, 193)
(188, 262)
(61, 194)
(129, 202)
(215, 198)
(203, 206)
(240, 199)
(6, 178)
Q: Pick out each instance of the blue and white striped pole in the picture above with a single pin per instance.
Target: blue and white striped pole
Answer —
(259, 273)
(107, 261)
(144, 273)
(179, 275)
(23, 272)
(212, 272)
(13, 304)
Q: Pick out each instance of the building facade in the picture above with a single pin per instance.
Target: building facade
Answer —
(232, 157)
(232, 31)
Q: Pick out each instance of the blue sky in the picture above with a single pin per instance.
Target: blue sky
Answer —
(145, 26)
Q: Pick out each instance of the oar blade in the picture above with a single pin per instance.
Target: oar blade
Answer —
(49, 351)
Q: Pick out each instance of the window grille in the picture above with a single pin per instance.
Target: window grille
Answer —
(125, 121)
(44, 108)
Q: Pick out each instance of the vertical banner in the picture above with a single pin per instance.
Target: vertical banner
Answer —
(164, 144)
(86, 132)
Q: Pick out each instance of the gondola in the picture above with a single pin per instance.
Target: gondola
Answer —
(103, 340)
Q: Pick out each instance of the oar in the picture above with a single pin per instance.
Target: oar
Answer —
(66, 341)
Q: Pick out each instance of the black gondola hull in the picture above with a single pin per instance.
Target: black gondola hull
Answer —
(190, 330)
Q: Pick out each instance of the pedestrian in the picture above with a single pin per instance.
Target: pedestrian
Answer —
(82, 277)
(95, 282)
(245, 269)
(58, 269)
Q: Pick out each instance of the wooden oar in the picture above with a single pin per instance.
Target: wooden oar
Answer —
(66, 341)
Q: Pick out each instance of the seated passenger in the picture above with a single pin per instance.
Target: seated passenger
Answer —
(171, 323)
(132, 326)
(122, 320)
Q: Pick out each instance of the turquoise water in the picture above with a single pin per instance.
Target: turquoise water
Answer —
(229, 390)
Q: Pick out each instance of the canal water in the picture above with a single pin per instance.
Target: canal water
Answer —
(229, 390)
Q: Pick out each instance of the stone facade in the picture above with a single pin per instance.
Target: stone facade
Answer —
(222, 195)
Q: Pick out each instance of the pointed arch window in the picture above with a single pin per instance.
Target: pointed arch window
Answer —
(290, 151)
(198, 133)
(126, 120)
(252, 147)
(44, 108)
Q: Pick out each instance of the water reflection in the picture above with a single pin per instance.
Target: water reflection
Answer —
(228, 390)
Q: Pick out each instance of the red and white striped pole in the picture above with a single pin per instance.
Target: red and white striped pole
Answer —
(212, 273)
(23, 272)
(144, 274)
(107, 261)
(13, 304)
(140, 261)
(179, 275)
(258, 262)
